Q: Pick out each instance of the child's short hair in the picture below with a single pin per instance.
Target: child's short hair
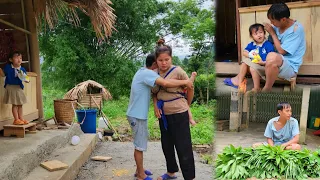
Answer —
(256, 27)
(278, 11)
(150, 60)
(283, 105)
(14, 53)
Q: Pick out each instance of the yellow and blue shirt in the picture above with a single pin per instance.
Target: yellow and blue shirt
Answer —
(263, 49)
(11, 77)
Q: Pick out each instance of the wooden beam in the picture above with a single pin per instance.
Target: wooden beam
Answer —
(14, 26)
(25, 26)
(34, 53)
(234, 108)
(299, 4)
(304, 114)
(308, 80)
(238, 30)
(233, 68)
(9, 1)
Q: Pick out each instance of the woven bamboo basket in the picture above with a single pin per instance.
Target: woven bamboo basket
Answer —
(87, 101)
(64, 111)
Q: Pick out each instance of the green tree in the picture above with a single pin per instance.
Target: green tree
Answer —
(74, 54)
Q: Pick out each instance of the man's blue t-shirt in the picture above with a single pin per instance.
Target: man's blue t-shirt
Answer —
(283, 135)
(9, 72)
(263, 49)
(293, 42)
(140, 94)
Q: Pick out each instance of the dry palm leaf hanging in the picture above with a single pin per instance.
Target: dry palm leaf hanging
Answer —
(99, 11)
(80, 90)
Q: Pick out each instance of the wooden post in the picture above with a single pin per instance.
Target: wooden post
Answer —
(240, 109)
(245, 110)
(238, 31)
(304, 114)
(34, 52)
(234, 115)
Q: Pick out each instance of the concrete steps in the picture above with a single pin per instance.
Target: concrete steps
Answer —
(73, 156)
(21, 157)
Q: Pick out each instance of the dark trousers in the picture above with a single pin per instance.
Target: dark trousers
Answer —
(178, 137)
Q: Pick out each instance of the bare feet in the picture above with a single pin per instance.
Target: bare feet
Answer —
(192, 122)
(266, 90)
(141, 176)
(235, 81)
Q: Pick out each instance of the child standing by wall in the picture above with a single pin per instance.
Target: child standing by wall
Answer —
(14, 94)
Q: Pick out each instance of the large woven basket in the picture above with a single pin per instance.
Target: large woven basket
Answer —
(64, 111)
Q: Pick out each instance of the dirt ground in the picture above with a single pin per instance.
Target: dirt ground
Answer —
(122, 165)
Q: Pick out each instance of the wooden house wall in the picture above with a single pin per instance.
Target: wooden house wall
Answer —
(248, 3)
(225, 36)
(12, 39)
(308, 16)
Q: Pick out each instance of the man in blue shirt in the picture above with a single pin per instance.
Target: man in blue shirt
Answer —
(282, 130)
(137, 113)
(288, 38)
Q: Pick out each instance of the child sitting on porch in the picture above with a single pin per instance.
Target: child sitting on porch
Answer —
(282, 130)
(14, 94)
(256, 51)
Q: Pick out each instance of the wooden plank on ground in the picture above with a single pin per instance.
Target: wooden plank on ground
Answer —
(54, 165)
(304, 114)
(101, 158)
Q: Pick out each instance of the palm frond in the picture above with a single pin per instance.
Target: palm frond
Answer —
(100, 13)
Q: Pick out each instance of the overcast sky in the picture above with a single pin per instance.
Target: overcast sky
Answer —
(180, 47)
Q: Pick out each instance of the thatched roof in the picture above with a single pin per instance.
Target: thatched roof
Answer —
(81, 89)
(99, 11)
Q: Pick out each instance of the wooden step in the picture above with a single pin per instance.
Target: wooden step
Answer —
(19, 130)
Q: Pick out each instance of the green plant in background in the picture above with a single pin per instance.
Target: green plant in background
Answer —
(267, 162)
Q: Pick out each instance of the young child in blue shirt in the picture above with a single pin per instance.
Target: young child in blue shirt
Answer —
(13, 85)
(282, 130)
(259, 46)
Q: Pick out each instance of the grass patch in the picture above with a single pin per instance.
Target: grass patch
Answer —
(49, 95)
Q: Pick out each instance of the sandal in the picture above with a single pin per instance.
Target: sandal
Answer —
(25, 121)
(18, 122)
(147, 178)
(147, 172)
(228, 82)
(243, 86)
(166, 176)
